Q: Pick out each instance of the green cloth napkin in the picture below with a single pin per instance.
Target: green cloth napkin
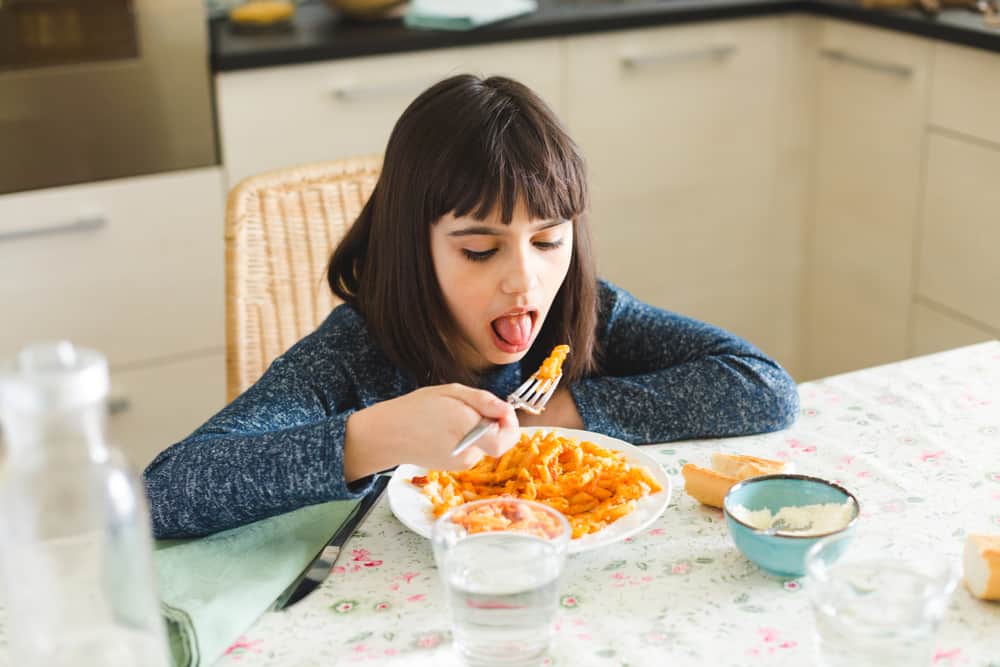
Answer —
(464, 14)
(213, 588)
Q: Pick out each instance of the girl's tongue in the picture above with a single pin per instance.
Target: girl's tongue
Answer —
(514, 329)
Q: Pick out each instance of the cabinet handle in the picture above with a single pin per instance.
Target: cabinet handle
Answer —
(118, 405)
(840, 56)
(87, 224)
(353, 91)
(635, 61)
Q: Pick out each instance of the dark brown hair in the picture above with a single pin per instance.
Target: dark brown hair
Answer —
(466, 146)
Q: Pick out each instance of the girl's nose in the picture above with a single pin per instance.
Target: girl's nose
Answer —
(520, 275)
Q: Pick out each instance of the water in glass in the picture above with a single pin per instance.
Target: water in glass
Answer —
(877, 599)
(502, 592)
(874, 616)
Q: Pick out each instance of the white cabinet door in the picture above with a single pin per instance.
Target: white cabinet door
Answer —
(959, 265)
(933, 330)
(871, 114)
(131, 267)
(281, 116)
(157, 405)
(679, 126)
(965, 94)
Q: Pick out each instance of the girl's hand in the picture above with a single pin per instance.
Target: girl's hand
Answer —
(559, 411)
(422, 428)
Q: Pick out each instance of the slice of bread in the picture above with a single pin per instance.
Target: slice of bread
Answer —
(741, 466)
(710, 487)
(981, 565)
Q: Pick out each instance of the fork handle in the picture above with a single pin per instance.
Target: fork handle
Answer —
(477, 432)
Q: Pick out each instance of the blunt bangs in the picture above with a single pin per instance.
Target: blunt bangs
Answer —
(521, 153)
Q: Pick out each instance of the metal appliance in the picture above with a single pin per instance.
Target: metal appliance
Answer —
(99, 89)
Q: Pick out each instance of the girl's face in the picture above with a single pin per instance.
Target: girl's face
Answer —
(499, 280)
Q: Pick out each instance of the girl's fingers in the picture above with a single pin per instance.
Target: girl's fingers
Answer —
(497, 442)
(482, 402)
(468, 458)
(500, 437)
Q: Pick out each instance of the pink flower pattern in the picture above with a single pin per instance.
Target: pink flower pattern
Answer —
(947, 657)
(844, 431)
(242, 647)
(771, 643)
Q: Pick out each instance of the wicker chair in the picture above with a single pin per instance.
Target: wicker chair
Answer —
(280, 229)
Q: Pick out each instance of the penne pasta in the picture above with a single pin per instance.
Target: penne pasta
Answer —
(592, 486)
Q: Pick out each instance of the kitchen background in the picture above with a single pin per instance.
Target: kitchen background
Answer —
(818, 177)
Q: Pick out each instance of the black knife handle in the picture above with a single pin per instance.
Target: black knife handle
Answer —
(359, 513)
(321, 564)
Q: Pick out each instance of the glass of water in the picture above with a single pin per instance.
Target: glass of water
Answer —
(877, 600)
(500, 560)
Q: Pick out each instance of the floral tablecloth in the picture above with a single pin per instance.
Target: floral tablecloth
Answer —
(917, 441)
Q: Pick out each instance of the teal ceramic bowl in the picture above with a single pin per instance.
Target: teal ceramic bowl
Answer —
(778, 554)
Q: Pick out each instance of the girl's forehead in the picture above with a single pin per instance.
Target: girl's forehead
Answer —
(493, 224)
(522, 216)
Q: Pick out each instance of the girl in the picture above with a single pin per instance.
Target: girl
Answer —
(471, 260)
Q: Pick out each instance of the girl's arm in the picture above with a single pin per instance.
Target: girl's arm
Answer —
(287, 443)
(669, 377)
(275, 448)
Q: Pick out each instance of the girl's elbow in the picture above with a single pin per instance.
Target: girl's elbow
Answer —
(153, 499)
(158, 494)
(785, 398)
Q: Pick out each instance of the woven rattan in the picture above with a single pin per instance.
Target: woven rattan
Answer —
(280, 229)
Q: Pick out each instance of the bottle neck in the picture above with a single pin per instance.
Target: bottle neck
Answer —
(66, 435)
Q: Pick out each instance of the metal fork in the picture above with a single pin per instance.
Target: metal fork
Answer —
(530, 397)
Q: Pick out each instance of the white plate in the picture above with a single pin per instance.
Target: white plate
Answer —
(413, 508)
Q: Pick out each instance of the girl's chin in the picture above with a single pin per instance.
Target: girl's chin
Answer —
(498, 358)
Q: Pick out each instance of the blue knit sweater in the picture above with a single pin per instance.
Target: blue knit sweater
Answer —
(279, 445)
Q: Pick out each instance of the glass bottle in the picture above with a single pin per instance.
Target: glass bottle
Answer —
(76, 551)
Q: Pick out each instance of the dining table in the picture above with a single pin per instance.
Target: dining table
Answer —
(916, 441)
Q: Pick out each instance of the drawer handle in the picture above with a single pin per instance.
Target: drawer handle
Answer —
(636, 61)
(119, 404)
(87, 224)
(353, 91)
(840, 56)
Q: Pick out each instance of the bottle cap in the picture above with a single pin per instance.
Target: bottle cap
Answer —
(53, 376)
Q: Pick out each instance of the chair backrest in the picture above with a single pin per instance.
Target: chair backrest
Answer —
(281, 227)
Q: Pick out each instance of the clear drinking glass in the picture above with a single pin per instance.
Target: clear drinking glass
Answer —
(877, 600)
(500, 560)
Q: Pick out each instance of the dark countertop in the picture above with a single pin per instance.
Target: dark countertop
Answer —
(320, 34)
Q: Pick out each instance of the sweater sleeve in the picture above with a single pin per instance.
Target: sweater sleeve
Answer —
(668, 377)
(277, 447)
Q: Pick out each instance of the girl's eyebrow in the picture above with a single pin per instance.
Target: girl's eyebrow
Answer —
(493, 230)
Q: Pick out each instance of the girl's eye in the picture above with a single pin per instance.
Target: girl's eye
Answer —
(548, 245)
(478, 256)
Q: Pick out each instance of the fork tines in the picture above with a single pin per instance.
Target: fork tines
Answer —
(534, 394)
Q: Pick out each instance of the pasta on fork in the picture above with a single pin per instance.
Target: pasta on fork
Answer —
(592, 486)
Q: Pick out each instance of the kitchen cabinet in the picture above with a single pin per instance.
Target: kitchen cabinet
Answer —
(957, 292)
(158, 404)
(788, 178)
(282, 116)
(679, 126)
(131, 267)
(965, 93)
(959, 261)
(933, 329)
(871, 104)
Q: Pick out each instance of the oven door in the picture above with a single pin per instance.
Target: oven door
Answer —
(100, 89)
